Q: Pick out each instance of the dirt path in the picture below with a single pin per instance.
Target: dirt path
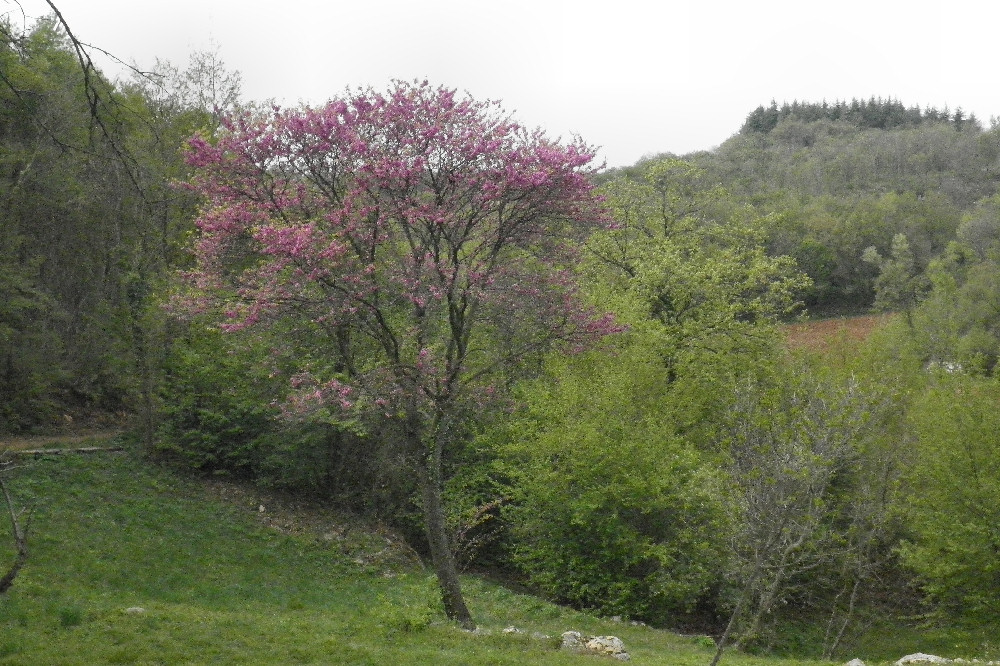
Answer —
(55, 441)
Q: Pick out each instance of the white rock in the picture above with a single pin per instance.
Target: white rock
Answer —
(921, 658)
(855, 662)
(512, 630)
(135, 610)
(609, 645)
(572, 640)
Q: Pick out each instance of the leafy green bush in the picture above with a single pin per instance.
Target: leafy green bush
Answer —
(221, 415)
(953, 510)
(609, 510)
(214, 407)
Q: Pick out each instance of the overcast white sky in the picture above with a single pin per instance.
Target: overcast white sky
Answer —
(634, 77)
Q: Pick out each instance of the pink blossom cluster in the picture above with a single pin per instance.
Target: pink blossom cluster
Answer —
(431, 224)
(310, 395)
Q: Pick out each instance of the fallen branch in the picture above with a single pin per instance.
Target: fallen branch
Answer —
(85, 449)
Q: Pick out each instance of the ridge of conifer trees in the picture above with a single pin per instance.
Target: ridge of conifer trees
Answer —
(874, 113)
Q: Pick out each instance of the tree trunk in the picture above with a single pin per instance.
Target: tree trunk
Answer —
(829, 649)
(20, 540)
(723, 641)
(437, 536)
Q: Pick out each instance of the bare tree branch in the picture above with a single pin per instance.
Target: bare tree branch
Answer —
(18, 529)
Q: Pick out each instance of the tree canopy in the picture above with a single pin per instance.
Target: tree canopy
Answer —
(428, 236)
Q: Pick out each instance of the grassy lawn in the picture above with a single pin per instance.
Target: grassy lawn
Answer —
(111, 534)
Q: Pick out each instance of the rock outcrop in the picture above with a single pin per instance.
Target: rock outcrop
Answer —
(609, 646)
(921, 658)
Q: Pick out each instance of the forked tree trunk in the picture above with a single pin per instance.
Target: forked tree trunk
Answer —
(437, 536)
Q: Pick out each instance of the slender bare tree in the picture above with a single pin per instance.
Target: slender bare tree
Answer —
(18, 524)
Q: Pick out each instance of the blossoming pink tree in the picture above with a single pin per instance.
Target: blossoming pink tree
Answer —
(427, 235)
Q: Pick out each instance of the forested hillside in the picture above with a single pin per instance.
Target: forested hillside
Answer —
(92, 225)
(843, 177)
(406, 304)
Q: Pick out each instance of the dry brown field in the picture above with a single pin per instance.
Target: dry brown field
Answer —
(821, 334)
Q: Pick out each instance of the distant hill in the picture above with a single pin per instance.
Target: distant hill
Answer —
(874, 113)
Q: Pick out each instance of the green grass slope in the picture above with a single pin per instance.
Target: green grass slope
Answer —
(111, 533)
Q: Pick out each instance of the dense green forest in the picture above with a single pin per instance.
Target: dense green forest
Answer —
(684, 465)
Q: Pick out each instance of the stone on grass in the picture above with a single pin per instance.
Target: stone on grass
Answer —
(572, 640)
(855, 662)
(610, 646)
(921, 658)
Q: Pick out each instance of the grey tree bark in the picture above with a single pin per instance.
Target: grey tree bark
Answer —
(435, 523)
(19, 533)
